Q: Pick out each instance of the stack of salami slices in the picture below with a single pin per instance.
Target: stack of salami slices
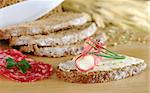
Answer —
(37, 70)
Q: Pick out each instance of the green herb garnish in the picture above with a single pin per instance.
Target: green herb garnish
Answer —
(22, 65)
(10, 62)
(103, 52)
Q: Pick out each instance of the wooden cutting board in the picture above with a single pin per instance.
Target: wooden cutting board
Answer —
(136, 84)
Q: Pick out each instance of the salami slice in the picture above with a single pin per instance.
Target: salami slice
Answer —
(17, 55)
(37, 71)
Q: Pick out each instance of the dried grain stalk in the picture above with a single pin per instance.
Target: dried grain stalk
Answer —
(125, 14)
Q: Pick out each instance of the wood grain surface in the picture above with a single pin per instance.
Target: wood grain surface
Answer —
(135, 84)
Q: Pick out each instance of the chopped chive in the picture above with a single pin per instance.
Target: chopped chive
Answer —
(108, 54)
(98, 49)
(105, 48)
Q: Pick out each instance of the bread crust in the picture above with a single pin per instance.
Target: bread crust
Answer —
(58, 51)
(52, 23)
(65, 37)
(75, 76)
(54, 52)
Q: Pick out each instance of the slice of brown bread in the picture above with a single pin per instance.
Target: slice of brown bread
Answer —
(65, 37)
(52, 23)
(58, 51)
(108, 70)
(54, 52)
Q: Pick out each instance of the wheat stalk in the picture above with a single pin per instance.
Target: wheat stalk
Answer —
(125, 14)
(121, 20)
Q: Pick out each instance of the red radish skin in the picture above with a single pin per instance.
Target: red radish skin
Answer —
(89, 48)
(86, 49)
(82, 62)
(97, 59)
(83, 65)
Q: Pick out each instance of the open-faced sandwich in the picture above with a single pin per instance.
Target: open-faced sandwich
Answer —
(97, 64)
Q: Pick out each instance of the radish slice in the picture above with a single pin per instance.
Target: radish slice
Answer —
(85, 63)
(87, 47)
(97, 59)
